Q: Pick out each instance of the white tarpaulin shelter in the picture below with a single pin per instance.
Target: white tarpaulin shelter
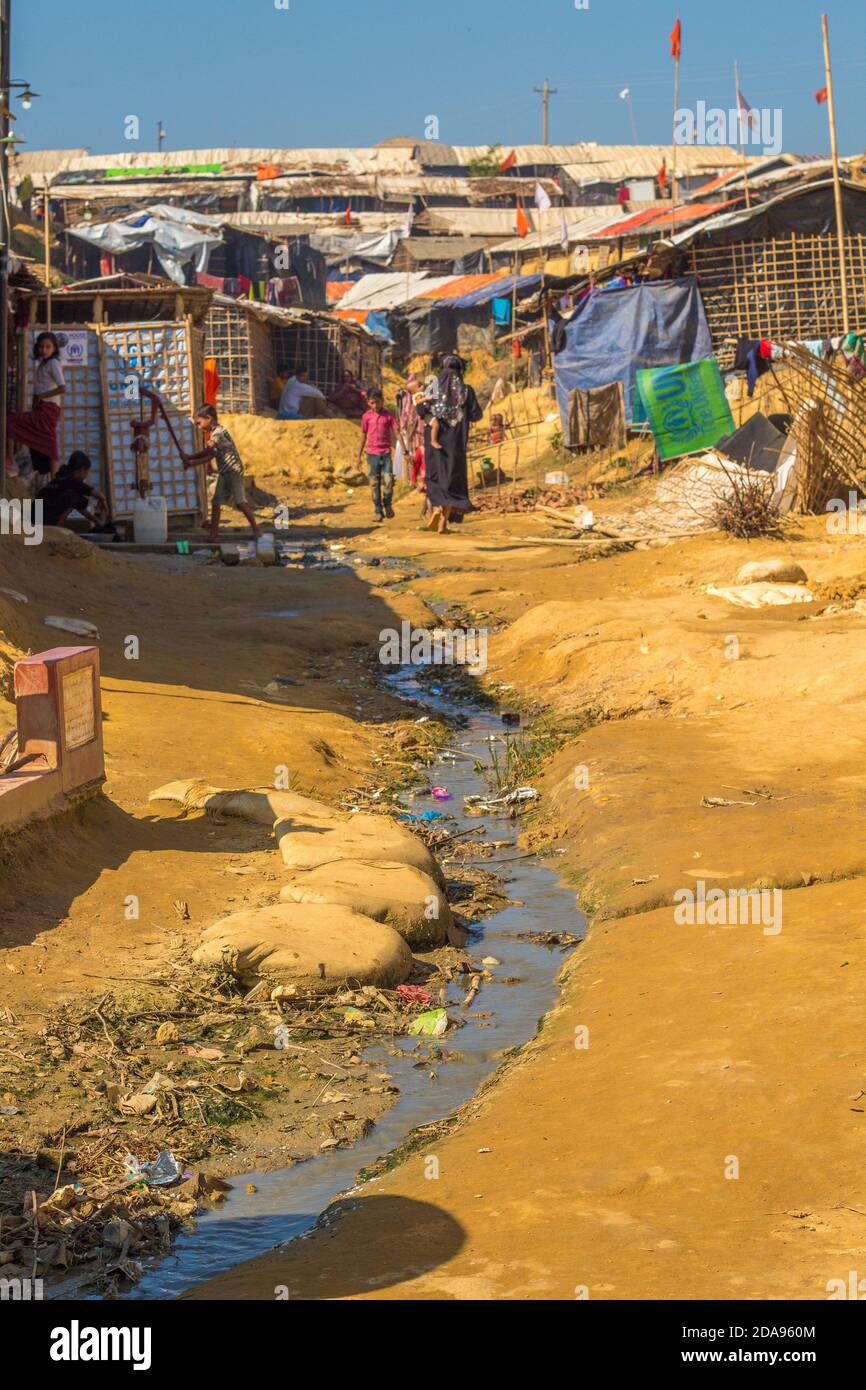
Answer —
(176, 235)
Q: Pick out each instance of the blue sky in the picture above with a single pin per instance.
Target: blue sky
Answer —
(352, 72)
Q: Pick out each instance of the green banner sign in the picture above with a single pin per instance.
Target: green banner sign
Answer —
(686, 406)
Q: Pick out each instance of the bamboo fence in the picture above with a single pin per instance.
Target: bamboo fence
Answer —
(784, 288)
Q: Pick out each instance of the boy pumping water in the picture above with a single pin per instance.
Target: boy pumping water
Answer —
(230, 469)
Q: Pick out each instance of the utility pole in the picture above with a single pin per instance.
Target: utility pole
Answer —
(160, 134)
(5, 231)
(546, 92)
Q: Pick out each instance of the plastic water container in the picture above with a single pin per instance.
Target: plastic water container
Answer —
(150, 520)
(266, 550)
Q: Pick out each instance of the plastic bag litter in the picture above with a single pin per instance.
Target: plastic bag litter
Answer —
(76, 625)
(163, 1170)
(282, 1038)
(429, 1025)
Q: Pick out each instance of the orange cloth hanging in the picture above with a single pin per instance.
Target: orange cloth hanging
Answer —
(212, 380)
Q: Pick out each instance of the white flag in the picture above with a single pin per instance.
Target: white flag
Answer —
(563, 233)
(410, 218)
(624, 94)
(542, 201)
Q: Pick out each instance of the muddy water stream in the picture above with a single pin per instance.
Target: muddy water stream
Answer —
(290, 1200)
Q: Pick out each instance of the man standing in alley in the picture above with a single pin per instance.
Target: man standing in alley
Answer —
(378, 429)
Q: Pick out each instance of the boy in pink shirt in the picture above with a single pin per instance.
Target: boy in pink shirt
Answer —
(378, 427)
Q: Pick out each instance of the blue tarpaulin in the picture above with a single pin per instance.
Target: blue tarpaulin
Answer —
(378, 323)
(614, 335)
(496, 289)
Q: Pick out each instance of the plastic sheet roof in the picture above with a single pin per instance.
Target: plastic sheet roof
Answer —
(657, 218)
(499, 287)
(580, 222)
(743, 215)
(390, 290)
(613, 163)
(455, 288)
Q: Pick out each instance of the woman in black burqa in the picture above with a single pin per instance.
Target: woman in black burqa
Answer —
(452, 407)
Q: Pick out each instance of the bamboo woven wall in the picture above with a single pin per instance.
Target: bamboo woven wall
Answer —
(785, 288)
(327, 349)
(249, 350)
(314, 344)
(228, 339)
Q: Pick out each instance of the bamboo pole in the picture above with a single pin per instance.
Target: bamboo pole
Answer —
(837, 187)
(674, 143)
(47, 252)
(740, 135)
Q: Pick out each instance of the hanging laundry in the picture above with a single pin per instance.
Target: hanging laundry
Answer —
(854, 355)
(750, 360)
(212, 380)
(596, 418)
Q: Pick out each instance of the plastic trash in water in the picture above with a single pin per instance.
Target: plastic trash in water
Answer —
(521, 794)
(163, 1170)
(441, 793)
(431, 1024)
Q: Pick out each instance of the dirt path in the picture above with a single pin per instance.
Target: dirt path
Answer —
(689, 1122)
(704, 1138)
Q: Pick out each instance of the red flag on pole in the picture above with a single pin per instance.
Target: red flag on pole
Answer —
(522, 221)
(349, 215)
(663, 174)
(508, 163)
(821, 96)
(677, 40)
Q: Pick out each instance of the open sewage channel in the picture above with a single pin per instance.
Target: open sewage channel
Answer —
(288, 1202)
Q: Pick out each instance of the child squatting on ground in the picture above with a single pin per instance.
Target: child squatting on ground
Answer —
(230, 480)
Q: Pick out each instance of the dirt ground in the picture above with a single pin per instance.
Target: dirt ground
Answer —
(702, 1137)
(692, 1113)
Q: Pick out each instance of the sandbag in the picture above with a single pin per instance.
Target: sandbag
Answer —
(309, 833)
(371, 839)
(404, 897)
(318, 947)
(262, 805)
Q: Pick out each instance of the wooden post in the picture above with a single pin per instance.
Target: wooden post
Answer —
(837, 187)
